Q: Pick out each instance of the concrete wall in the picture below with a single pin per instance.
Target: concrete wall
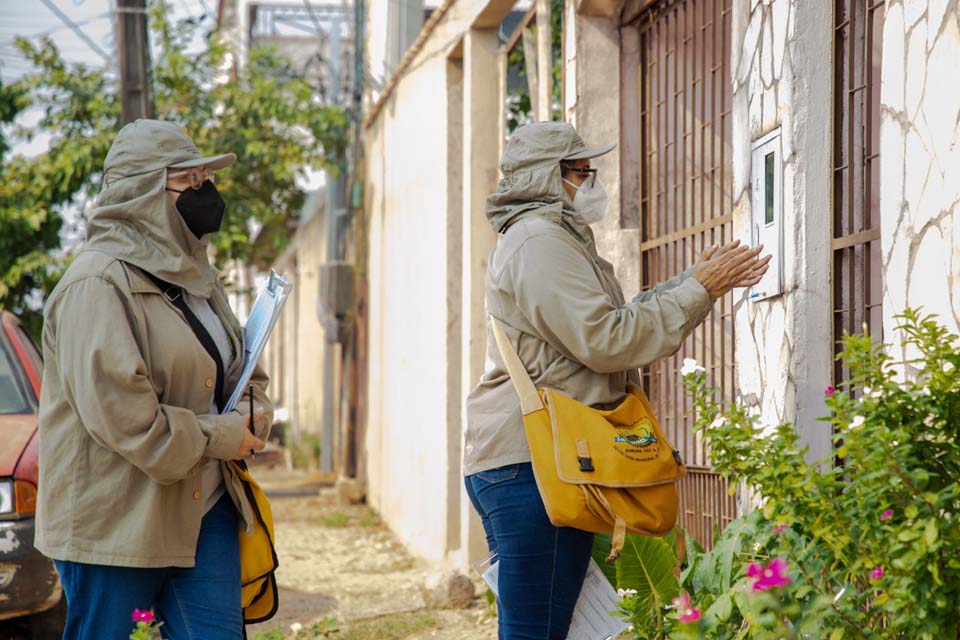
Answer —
(431, 162)
(780, 75)
(920, 160)
(311, 343)
(294, 355)
(593, 103)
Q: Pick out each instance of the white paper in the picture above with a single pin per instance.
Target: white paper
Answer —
(593, 617)
(263, 316)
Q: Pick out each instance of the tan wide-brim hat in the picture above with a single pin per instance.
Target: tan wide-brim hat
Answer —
(211, 162)
(545, 143)
(150, 145)
(591, 152)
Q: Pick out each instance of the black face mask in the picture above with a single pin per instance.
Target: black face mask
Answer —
(202, 209)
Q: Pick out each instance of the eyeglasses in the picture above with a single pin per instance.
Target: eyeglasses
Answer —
(197, 175)
(591, 174)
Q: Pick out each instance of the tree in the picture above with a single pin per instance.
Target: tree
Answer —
(518, 107)
(269, 118)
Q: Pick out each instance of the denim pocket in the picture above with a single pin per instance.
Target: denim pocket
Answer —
(500, 474)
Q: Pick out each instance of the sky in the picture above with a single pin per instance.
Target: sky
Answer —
(93, 19)
(33, 19)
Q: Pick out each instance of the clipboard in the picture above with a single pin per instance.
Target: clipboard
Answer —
(594, 616)
(263, 316)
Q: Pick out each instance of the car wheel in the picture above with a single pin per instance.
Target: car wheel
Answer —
(48, 625)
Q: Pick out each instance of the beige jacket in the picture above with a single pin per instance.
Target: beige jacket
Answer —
(127, 389)
(561, 306)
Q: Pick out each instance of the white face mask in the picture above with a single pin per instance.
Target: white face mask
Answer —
(590, 201)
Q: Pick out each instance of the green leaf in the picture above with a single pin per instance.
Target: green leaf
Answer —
(721, 609)
(647, 565)
(601, 549)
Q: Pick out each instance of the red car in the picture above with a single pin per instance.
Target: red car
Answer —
(28, 581)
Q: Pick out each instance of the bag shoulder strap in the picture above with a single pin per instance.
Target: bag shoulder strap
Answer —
(174, 294)
(530, 399)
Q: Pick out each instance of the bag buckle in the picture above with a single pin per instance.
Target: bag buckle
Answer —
(677, 458)
(583, 455)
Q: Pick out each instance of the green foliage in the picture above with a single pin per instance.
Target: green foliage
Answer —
(869, 534)
(270, 119)
(518, 100)
(78, 110)
(393, 626)
(338, 519)
(321, 629)
(644, 576)
(306, 452)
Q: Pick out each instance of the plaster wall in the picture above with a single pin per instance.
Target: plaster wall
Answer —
(593, 102)
(920, 161)
(307, 405)
(426, 249)
(294, 355)
(779, 78)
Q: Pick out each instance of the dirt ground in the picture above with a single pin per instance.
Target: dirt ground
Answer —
(342, 564)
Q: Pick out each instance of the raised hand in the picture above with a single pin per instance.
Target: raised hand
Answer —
(722, 269)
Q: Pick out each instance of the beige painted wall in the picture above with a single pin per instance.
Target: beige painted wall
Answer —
(294, 354)
(425, 181)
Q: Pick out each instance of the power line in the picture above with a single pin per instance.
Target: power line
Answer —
(76, 29)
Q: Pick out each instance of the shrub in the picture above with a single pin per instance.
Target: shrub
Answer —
(863, 544)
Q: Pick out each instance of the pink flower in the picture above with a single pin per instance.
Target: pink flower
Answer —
(690, 615)
(780, 529)
(877, 573)
(142, 616)
(685, 613)
(769, 577)
(829, 391)
(886, 515)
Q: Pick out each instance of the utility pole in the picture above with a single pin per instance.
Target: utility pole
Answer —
(136, 98)
(544, 100)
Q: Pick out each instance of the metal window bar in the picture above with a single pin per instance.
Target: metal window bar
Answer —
(857, 274)
(685, 206)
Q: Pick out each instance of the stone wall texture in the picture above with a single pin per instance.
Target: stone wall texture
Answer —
(920, 159)
(779, 80)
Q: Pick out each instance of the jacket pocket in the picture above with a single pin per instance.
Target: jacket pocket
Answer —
(500, 474)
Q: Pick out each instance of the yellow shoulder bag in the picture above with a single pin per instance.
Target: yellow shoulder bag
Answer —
(600, 471)
(258, 558)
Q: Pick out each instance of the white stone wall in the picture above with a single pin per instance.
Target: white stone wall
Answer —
(920, 160)
(780, 75)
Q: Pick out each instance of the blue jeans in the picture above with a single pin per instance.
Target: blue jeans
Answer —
(542, 567)
(202, 603)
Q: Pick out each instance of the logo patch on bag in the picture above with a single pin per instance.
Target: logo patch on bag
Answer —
(638, 440)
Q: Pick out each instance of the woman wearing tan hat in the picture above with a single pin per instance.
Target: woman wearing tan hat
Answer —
(564, 312)
(136, 503)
